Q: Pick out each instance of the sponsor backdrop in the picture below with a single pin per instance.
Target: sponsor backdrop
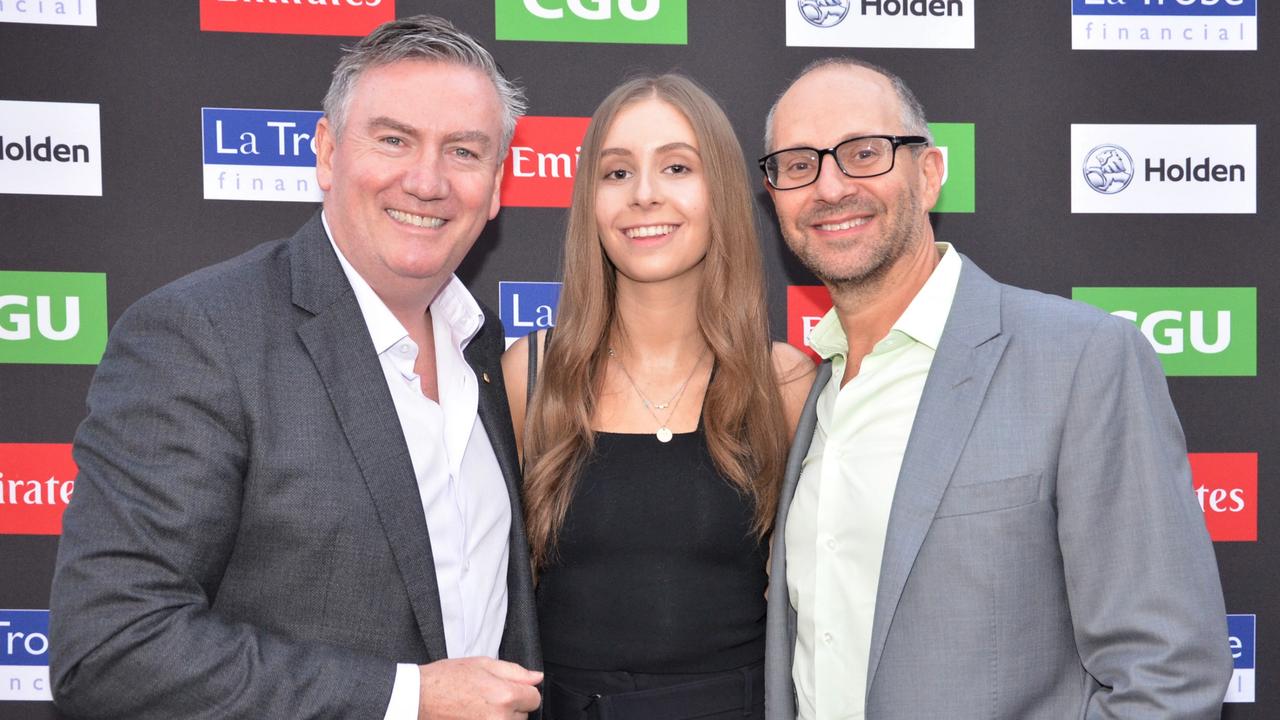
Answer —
(1119, 152)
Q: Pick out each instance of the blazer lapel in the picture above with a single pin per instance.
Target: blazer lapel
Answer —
(339, 344)
(520, 635)
(962, 368)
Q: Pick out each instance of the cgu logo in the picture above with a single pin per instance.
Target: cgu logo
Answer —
(653, 22)
(52, 317)
(1200, 331)
(16, 324)
(601, 10)
(1167, 331)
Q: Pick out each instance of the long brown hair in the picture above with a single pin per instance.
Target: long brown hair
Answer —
(742, 413)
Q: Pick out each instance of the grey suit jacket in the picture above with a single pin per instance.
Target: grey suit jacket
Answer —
(1045, 556)
(246, 537)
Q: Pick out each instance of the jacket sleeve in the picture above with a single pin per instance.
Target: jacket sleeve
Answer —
(1142, 580)
(148, 534)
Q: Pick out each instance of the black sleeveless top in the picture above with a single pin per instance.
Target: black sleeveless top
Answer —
(656, 569)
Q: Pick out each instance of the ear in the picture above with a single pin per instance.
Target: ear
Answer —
(932, 167)
(496, 201)
(325, 142)
(769, 189)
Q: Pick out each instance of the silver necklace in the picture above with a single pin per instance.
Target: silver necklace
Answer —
(663, 432)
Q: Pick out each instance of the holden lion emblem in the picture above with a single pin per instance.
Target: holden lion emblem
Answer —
(824, 13)
(1108, 169)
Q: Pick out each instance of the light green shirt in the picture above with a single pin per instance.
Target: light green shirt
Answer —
(835, 532)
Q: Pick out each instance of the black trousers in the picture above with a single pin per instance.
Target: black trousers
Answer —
(576, 694)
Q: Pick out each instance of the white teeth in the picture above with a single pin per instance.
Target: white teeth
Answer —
(844, 225)
(649, 231)
(417, 220)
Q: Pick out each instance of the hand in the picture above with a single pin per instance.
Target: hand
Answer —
(478, 688)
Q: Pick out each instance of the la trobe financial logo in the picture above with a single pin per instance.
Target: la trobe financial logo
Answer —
(296, 17)
(254, 154)
(24, 655)
(50, 12)
(650, 22)
(1164, 169)
(880, 23)
(1164, 24)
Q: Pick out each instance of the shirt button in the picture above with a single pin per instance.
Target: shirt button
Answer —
(826, 638)
(404, 349)
(831, 544)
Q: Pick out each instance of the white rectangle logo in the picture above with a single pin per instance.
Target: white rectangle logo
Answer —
(255, 154)
(880, 23)
(50, 12)
(50, 148)
(1163, 169)
(1164, 25)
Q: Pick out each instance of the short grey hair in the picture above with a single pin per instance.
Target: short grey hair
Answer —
(420, 37)
(913, 122)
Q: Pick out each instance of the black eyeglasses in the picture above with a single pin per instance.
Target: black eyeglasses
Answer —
(860, 157)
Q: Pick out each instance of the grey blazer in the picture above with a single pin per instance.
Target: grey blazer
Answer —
(1045, 556)
(246, 538)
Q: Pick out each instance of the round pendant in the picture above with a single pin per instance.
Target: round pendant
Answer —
(664, 434)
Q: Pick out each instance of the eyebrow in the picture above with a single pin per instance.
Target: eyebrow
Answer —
(678, 145)
(382, 121)
(466, 136)
(479, 137)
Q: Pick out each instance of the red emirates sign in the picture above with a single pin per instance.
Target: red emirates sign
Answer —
(806, 304)
(296, 17)
(36, 481)
(543, 161)
(1226, 485)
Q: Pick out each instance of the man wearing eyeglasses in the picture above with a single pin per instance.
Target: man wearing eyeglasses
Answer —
(988, 510)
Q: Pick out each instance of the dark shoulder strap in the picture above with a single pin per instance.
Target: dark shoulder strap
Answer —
(533, 364)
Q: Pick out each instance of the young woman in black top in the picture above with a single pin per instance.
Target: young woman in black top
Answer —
(657, 433)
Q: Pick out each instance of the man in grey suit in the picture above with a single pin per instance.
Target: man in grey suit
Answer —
(988, 511)
(298, 490)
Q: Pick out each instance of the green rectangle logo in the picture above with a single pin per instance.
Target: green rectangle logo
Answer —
(957, 145)
(53, 318)
(648, 22)
(1195, 331)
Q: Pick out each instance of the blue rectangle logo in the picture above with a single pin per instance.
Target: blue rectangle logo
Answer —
(527, 307)
(1216, 8)
(1242, 630)
(276, 138)
(24, 638)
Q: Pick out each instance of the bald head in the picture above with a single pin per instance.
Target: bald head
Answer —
(841, 78)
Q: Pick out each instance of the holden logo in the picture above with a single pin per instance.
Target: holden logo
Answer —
(824, 13)
(1108, 169)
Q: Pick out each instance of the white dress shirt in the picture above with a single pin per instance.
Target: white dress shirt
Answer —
(464, 496)
(835, 531)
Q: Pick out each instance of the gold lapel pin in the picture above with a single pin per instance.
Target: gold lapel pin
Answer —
(484, 376)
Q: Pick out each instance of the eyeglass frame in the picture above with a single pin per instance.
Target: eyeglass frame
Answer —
(895, 141)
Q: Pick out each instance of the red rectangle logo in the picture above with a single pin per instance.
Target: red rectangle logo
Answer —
(542, 161)
(806, 304)
(296, 17)
(1226, 485)
(36, 481)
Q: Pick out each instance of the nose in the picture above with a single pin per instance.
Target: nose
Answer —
(646, 190)
(832, 186)
(424, 177)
